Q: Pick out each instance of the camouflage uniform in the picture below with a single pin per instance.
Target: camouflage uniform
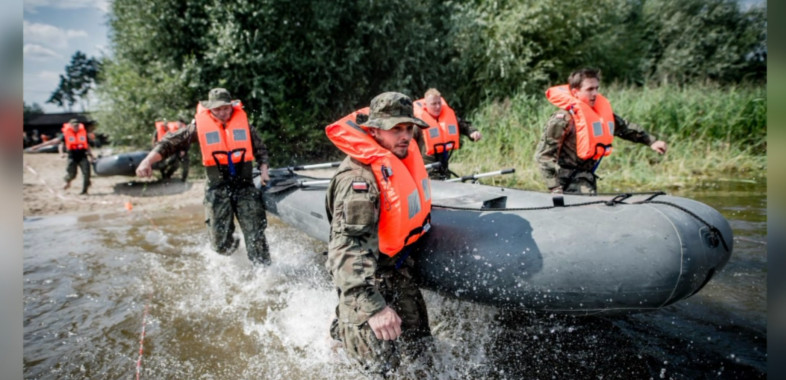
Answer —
(366, 280)
(78, 158)
(465, 129)
(568, 171)
(179, 160)
(227, 198)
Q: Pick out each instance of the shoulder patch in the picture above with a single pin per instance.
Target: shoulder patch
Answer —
(359, 186)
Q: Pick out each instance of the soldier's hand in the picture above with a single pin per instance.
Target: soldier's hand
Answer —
(556, 190)
(386, 324)
(145, 169)
(659, 146)
(264, 176)
(475, 136)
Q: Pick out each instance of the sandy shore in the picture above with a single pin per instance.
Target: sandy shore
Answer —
(43, 193)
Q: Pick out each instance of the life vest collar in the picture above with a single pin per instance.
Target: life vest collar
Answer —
(594, 125)
(404, 186)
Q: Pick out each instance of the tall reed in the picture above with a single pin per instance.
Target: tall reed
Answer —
(713, 133)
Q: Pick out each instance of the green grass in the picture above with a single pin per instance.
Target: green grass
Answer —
(713, 133)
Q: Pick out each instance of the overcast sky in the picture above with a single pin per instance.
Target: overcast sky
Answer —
(53, 31)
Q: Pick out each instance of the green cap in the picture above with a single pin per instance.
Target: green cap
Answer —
(73, 121)
(389, 109)
(216, 98)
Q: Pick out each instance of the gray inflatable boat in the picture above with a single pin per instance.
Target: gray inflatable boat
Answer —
(121, 164)
(529, 250)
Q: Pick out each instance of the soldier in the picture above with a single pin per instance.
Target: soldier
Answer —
(579, 135)
(228, 145)
(180, 159)
(444, 133)
(381, 315)
(75, 140)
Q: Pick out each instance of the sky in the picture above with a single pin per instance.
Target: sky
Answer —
(53, 30)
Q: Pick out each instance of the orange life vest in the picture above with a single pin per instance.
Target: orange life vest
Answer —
(218, 141)
(442, 135)
(75, 140)
(163, 128)
(594, 125)
(404, 187)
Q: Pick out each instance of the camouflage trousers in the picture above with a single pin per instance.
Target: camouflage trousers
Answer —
(84, 166)
(582, 182)
(175, 161)
(222, 205)
(411, 352)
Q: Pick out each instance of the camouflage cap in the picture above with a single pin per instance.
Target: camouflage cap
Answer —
(389, 109)
(216, 98)
(73, 121)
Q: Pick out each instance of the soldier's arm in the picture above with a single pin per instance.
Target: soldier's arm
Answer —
(631, 132)
(175, 142)
(352, 250)
(548, 148)
(260, 150)
(465, 127)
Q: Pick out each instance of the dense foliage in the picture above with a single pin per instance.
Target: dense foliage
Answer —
(300, 64)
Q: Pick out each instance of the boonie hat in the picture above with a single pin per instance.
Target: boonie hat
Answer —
(73, 121)
(389, 109)
(217, 97)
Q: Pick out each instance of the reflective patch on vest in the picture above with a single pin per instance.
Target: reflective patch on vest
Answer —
(433, 132)
(71, 139)
(611, 128)
(426, 189)
(212, 138)
(82, 138)
(597, 128)
(239, 135)
(452, 129)
(354, 125)
(413, 203)
(360, 186)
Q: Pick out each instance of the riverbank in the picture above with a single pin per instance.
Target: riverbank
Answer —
(43, 193)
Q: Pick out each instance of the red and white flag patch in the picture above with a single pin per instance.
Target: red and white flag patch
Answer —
(360, 186)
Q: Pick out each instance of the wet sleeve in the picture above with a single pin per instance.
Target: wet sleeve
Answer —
(260, 150)
(632, 132)
(175, 142)
(352, 250)
(548, 148)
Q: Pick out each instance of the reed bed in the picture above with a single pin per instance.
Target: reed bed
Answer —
(713, 133)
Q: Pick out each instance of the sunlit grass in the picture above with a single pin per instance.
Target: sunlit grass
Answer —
(713, 133)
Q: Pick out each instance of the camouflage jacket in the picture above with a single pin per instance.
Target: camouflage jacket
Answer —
(465, 129)
(557, 132)
(354, 261)
(183, 138)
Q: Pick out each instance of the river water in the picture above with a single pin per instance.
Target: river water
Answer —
(98, 289)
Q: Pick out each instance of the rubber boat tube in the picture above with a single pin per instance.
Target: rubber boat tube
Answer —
(121, 164)
(515, 249)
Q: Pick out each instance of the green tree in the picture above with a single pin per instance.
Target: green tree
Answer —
(698, 40)
(296, 65)
(81, 76)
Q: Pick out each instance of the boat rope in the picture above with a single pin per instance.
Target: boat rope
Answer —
(617, 199)
(142, 335)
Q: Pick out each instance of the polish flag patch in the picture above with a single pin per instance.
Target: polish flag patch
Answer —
(360, 186)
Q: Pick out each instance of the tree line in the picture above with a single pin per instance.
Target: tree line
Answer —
(299, 64)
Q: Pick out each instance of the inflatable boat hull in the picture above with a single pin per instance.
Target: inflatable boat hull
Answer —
(515, 249)
(120, 164)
